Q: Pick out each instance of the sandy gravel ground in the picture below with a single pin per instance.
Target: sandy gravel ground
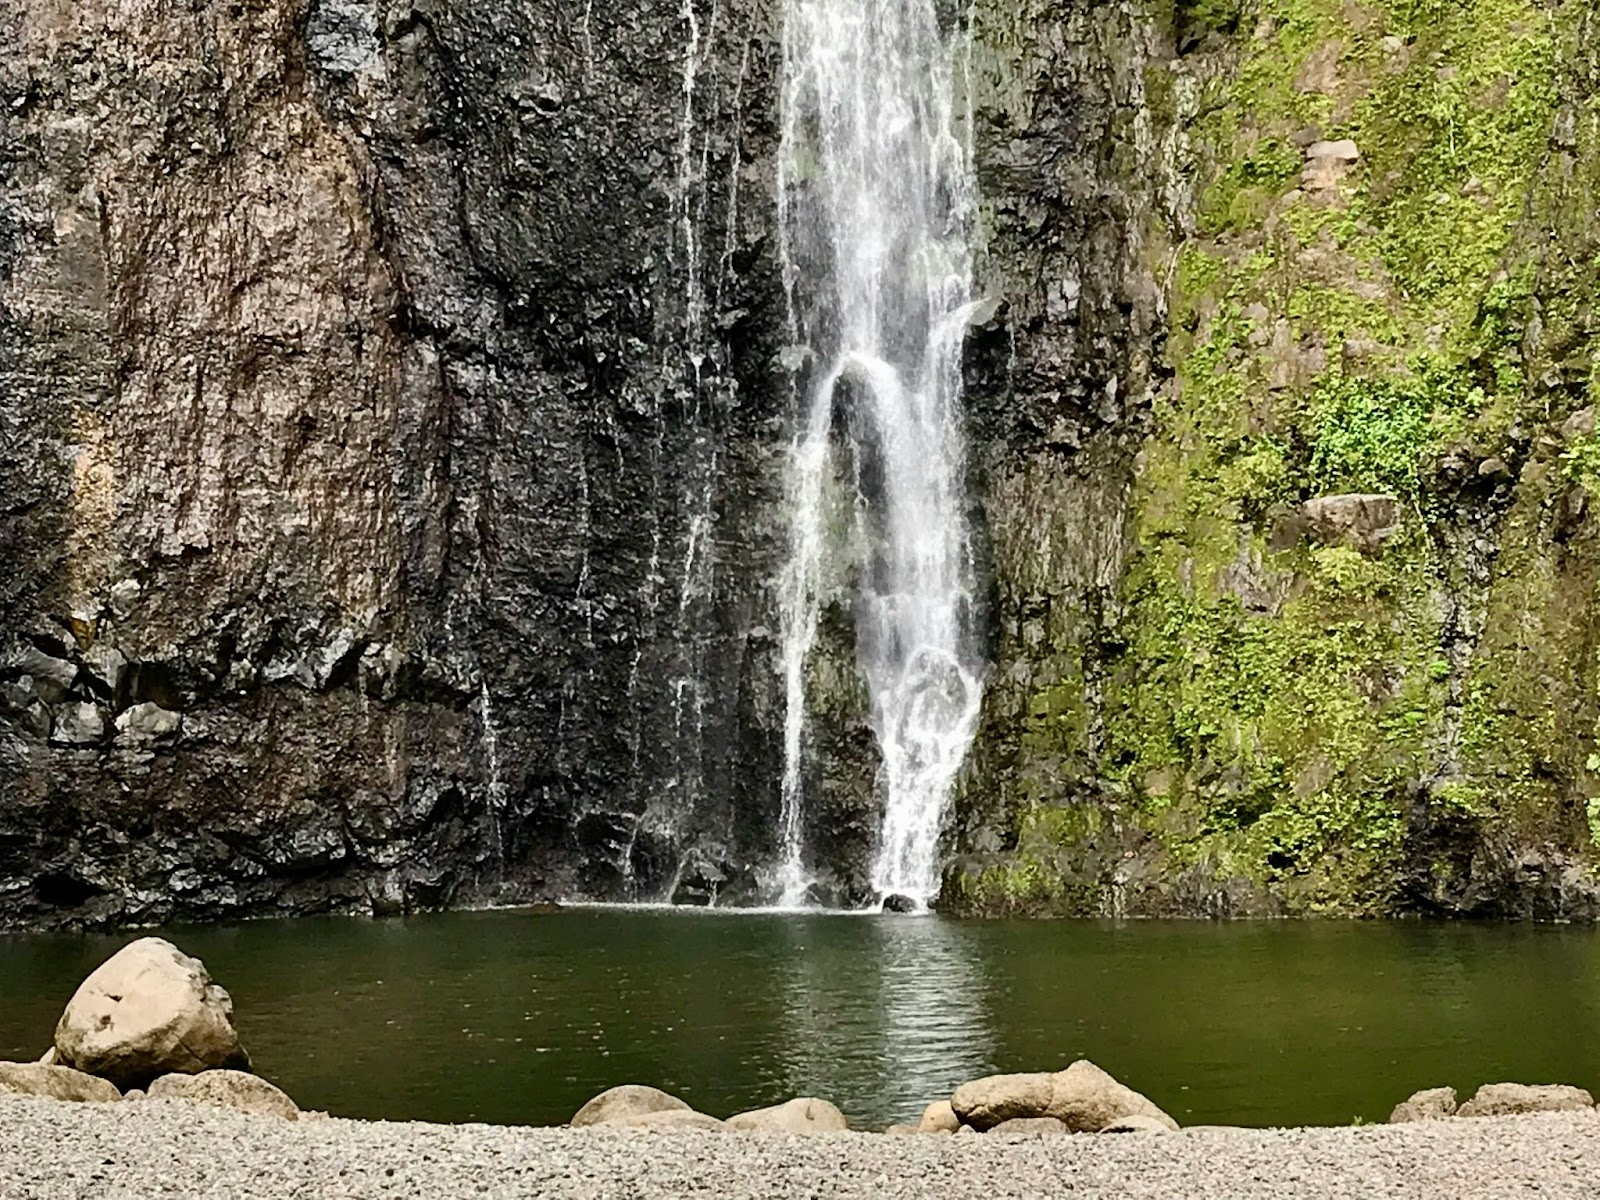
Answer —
(174, 1149)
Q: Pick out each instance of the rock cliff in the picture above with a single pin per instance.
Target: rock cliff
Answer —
(1308, 626)
(368, 369)
(392, 415)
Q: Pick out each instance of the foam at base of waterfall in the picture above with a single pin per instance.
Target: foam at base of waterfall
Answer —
(929, 716)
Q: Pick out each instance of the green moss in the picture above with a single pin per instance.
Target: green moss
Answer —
(1041, 875)
(1210, 16)
(1244, 191)
(1287, 712)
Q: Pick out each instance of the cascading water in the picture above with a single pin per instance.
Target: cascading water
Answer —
(875, 196)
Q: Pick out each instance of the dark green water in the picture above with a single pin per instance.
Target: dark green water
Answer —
(517, 1017)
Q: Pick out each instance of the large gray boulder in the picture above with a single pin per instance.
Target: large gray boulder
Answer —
(148, 1010)
(1431, 1104)
(1083, 1097)
(1508, 1099)
(58, 1083)
(803, 1115)
(228, 1089)
(626, 1103)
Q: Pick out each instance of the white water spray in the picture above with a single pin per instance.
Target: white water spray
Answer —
(875, 201)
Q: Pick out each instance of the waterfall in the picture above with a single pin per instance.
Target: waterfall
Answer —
(491, 746)
(875, 199)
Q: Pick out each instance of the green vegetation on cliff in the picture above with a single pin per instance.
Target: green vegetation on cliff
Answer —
(1311, 702)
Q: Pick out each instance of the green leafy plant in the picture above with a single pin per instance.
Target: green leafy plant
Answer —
(1375, 434)
(1580, 463)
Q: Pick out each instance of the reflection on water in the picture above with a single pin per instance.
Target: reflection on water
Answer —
(517, 1017)
(934, 1011)
(883, 1016)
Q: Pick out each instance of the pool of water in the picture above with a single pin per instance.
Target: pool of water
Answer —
(520, 1017)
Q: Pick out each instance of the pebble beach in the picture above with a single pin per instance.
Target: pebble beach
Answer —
(171, 1149)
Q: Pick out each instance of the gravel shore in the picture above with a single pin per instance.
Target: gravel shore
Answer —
(173, 1149)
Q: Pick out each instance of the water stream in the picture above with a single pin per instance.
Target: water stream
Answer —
(876, 197)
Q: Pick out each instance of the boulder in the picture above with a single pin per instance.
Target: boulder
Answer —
(1494, 467)
(1030, 1127)
(78, 724)
(1507, 1099)
(900, 904)
(50, 678)
(984, 1103)
(1327, 163)
(669, 1120)
(58, 1083)
(148, 1010)
(1431, 1104)
(1579, 425)
(902, 1130)
(803, 1115)
(1083, 1096)
(147, 722)
(939, 1117)
(1136, 1123)
(229, 1089)
(625, 1103)
(1359, 520)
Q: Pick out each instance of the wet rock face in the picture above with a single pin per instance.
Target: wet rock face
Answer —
(394, 429)
(392, 423)
(1155, 738)
(1060, 379)
(362, 366)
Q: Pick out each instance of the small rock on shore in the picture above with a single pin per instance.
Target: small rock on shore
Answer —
(1510, 1099)
(806, 1114)
(229, 1089)
(626, 1102)
(1082, 1097)
(57, 1083)
(1430, 1104)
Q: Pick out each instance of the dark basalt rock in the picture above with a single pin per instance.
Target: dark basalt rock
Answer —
(395, 381)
